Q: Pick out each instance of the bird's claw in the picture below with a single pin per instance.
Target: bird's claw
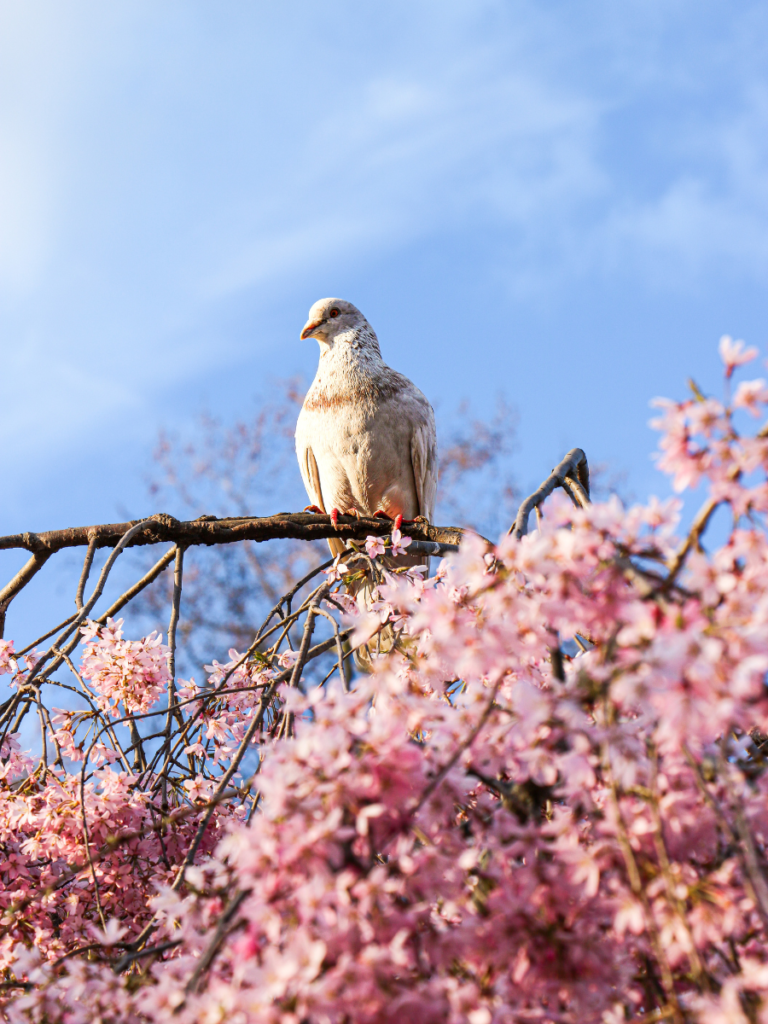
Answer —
(398, 521)
(335, 513)
(316, 509)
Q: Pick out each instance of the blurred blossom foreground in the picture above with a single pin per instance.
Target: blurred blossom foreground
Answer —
(548, 803)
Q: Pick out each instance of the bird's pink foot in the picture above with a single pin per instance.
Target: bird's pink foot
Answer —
(315, 508)
(335, 513)
(397, 522)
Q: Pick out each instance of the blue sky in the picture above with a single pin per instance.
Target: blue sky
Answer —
(563, 203)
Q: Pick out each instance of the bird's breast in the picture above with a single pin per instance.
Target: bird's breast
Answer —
(365, 395)
(342, 429)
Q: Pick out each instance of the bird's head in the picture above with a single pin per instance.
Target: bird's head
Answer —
(331, 318)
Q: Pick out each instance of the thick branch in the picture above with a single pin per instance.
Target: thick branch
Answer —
(209, 530)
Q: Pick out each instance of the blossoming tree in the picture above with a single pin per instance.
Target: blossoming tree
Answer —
(547, 803)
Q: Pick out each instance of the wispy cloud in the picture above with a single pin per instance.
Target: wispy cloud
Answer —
(159, 162)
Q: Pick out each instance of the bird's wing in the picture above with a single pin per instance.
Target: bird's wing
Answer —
(311, 477)
(310, 474)
(424, 464)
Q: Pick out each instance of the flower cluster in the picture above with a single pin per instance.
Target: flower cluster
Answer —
(548, 802)
(133, 673)
(237, 688)
(47, 892)
(7, 657)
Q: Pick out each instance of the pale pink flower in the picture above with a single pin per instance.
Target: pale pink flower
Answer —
(110, 935)
(7, 658)
(347, 603)
(447, 841)
(131, 672)
(31, 658)
(216, 729)
(187, 690)
(751, 395)
(374, 546)
(101, 753)
(198, 788)
(337, 571)
(400, 542)
(733, 353)
(630, 916)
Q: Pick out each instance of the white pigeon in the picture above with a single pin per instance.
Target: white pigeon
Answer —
(365, 438)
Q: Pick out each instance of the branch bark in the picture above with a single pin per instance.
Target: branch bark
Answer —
(162, 528)
(572, 474)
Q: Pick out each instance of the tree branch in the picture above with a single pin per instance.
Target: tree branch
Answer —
(20, 580)
(162, 528)
(572, 474)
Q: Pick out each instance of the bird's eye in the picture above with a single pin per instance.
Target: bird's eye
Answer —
(334, 313)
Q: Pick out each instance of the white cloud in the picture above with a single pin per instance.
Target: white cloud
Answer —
(400, 156)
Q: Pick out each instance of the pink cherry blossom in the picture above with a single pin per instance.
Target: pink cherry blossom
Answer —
(131, 672)
(374, 546)
(751, 395)
(7, 657)
(288, 659)
(400, 542)
(112, 933)
(547, 802)
(733, 353)
(337, 571)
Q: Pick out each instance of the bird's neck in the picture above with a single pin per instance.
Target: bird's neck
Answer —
(352, 357)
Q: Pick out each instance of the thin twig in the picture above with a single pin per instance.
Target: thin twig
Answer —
(145, 580)
(20, 580)
(45, 636)
(88, 561)
(758, 894)
(339, 647)
(255, 724)
(698, 527)
(670, 884)
(222, 930)
(747, 843)
(638, 890)
(174, 712)
(124, 541)
(465, 745)
(128, 958)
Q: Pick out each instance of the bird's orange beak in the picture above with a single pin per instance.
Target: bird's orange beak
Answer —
(310, 327)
